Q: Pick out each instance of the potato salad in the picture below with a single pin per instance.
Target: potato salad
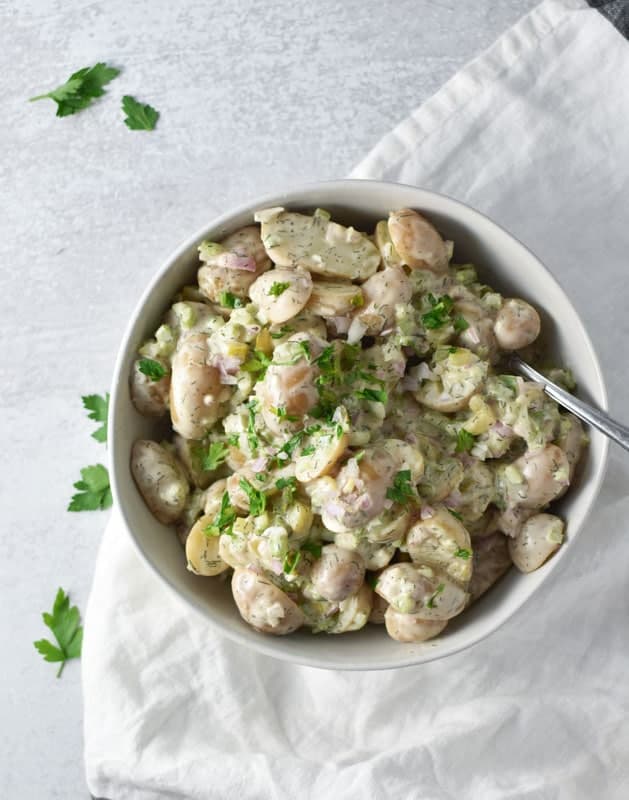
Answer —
(348, 444)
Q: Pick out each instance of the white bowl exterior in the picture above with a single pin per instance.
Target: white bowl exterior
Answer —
(503, 262)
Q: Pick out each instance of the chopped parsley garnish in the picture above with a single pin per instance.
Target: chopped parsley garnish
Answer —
(289, 447)
(139, 117)
(94, 491)
(402, 490)
(464, 441)
(439, 314)
(374, 395)
(281, 413)
(65, 624)
(288, 487)
(261, 476)
(339, 431)
(216, 454)
(234, 439)
(98, 407)
(283, 331)
(430, 603)
(229, 300)
(456, 514)
(308, 451)
(509, 381)
(463, 553)
(357, 301)
(305, 348)
(372, 580)
(314, 548)
(80, 89)
(151, 368)
(259, 363)
(278, 288)
(252, 437)
(224, 520)
(257, 498)
(290, 562)
(460, 324)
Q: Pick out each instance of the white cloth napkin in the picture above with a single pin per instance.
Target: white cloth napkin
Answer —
(534, 133)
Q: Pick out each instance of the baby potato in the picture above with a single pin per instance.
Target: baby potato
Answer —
(381, 293)
(338, 573)
(417, 242)
(202, 552)
(442, 541)
(191, 461)
(408, 457)
(457, 378)
(376, 555)
(195, 389)
(214, 497)
(161, 480)
(517, 324)
(354, 611)
(281, 294)
(291, 388)
(329, 447)
(545, 475)
(411, 627)
(263, 605)
(361, 489)
(317, 244)
(540, 536)
(334, 299)
(221, 272)
(382, 238)
(572, 439)
(148, 396)
(421, 590)
(491, 561)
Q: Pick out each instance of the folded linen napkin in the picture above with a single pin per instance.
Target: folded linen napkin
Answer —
(534, 133)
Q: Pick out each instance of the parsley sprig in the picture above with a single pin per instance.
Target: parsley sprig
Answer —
(278, 288)
(94, 491)
(138, 117)
(214, 456)
(152, 369)
(257, 498)
(402, 490)
(65, 624)
(97, 406)
(224, 520)
(440, 314)
(464, 441)
(81, 89)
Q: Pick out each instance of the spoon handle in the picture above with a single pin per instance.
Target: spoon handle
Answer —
(598, 419)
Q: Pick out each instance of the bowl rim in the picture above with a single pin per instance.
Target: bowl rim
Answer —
(264, 644)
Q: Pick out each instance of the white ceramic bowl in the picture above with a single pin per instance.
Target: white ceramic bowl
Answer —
(504, 263)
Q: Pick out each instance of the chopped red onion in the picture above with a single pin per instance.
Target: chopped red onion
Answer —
(235, 261)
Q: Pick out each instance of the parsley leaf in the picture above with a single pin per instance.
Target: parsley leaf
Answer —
(460, 324)
(439, 314)
(216, 454)
(464, 441)
(402, 489)
(456, 514)
(252, 437)
(314, 548)
(151, 368)
(281, 413)
(278, 288)
(283, 331)
(224, 520)
(64, 622)
(233, 439)
(463, 553)
(257, 499)
(305, 347)
(308, 451)
(259, 363)
(94, 491)
(139, 117)
(430, 603)
(97, 407)
(229, 300)
(80, 89)
(290, 562)
(375, 395)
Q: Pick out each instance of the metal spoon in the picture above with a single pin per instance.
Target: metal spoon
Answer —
(597, 419)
